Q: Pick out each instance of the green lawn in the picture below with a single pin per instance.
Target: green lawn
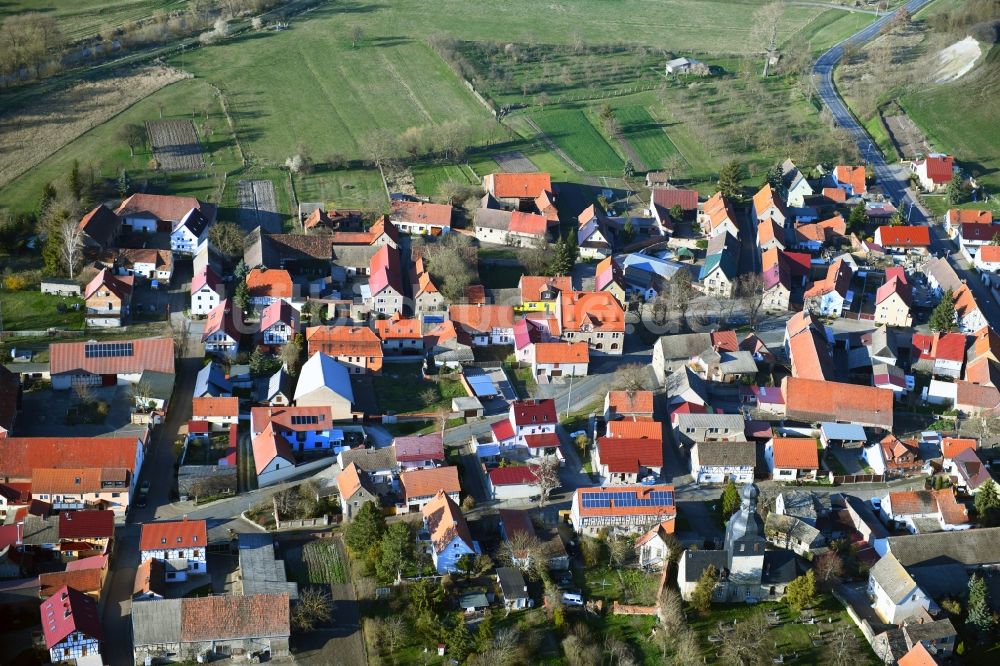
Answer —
(83, 18)
(829, 28)
(35, 311)
(427, 178)
(975, 141)
(499, 277)
(402, 389)
(646, 136)
(573, 132)
(357, 188)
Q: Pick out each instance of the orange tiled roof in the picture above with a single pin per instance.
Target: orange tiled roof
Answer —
(817, 400)
(207, 407)
(635, 430)
(592, 310)
(965, 301)
(795, 453)
(272, 282)
(517, 185)
(764, 199)
(445, 522)
(562, 352)
(532, 286)
(420, 212)
(82, 580)
(482, 318)
(835, 194)
(853, 176)
(952, 446)
(427, 482)
(631, 402)
(174, 534)
(344, 341)
(398, 328)
(627, 509)
(349, 481)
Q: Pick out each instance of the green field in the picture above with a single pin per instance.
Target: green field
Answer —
(975, 141)
(427, 178)
(646, 136)
(35, 311)
(829, 28)
(84, 18)
(572, 131)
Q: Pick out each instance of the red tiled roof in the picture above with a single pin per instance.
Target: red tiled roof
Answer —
(86, 524)
(958, 216)
(267, 446)
(119, 286)
(174, 535)
(511, 476)
(279, 311)
(206, 277)
(203, 408)
(269, 282)
(92, 562)
(939, 168)
(426, 482)
(156, 354)
(68, 611)
(952, 446)
(344, 341)
(665, 527)
(502, 430)
(100, 223)
(893, 286)
(917, 656)
(288, 418)
(989, 253)
(980, 233)
(225, 617)
(163, 207)
(482, 318)
(810, 355)
(527, 412)
(415, 449)
(904, 236)
(627, 455)
(528, 223)
(517, 185)
(384, 270)
(445, 521)
(835, 194)
(667, 198)
(82, 580)
(541, 441)
(532, 286)
(817, 400)
(19, 456)
(795, 453)
(562, 352)
(223, 318)
(420, 212)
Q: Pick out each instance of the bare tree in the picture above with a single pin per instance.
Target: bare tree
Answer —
(765, 29)
(748, 644)
(356, 35)
(504, 651)
(546, 475)
(313, 608)
(670, 611)
(141, 393)
(394, 632)
(844, 649)
(520, 550)
(180, 332)
(630, 377)
(751, 294)
(687, 650)
(829, 569)
(134, 135)
(71, 247)
(620, 550)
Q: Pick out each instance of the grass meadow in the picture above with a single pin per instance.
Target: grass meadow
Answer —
(646, 136)
(84, 18)
(574, 133)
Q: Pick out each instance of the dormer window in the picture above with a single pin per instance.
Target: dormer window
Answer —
(163, 540)
(195, 538)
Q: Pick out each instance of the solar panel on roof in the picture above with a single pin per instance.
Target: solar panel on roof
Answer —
(304, 419)
(107, 350)
(628, 499)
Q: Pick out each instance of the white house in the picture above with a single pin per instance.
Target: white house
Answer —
(718, 462)
(792, 458)
(511, 483)
(527, 419)
(71, 627)
(179, 544)
(485, 324)
(653, 547)
(223, 330)
(385, 283)
(220, 412)
(513, 588)
(630, 509)
(922, 511)
(207, 291)
(896, 596)
(279, 323)
(450, 538)
(988, 258)
(559, 359)
(188, 234)
(934, 171)
(797, 187)
(272, 456)
(420, 217)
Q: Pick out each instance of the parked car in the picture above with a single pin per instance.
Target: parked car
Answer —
(572, 599)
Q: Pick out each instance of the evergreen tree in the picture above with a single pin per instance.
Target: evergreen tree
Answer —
(460, 642)
(943, 317)
(730, 499)
(484, 634)
(52, 251)
(397, 552)
(730, 180)
(628, 231)
(561, 264)
(75, 181)
(629, 170)
(241, 296)
(241, 271)
(856, 220)
(124, 184)
(775, 178)
(365, 529)
(988, 503)
(801, 592)
(957, 192)
(572, 246)
(701, 598)
(48, 194)
(677, 213)
(980, 616)
(897, 219)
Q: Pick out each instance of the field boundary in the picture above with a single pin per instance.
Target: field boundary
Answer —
(552, 145)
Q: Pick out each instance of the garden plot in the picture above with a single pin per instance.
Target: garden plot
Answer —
(258, 207)
(175, 145)
(514, 162)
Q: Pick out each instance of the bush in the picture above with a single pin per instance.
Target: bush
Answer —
(14, 283)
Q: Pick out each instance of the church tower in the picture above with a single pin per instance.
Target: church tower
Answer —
(745, 544)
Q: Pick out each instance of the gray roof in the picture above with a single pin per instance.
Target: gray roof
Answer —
(737, 363)
(745, 527)
(683, 379)
(729, 422)
(943, 273)
(892, 578)
(696, 561)
(190, 476)
(780, 567)
(280, 382)
(864, 511)
(212, 382)
(512, 583)
(883, 343)
(929, 631)
(473, 600)
(851, 432)
(371, 460)
(683, 346)
(968, 547)
(160, 384)
(260, 570)
(465, 402)
(39, 531)
(727, 454)
(322, 370)
(156, 622)
(492, 218)
(804, 504)
(354, 256)
(792, 527)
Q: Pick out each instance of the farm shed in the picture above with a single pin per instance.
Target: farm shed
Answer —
(61, 287)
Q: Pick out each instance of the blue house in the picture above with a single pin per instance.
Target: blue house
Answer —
(450, 538)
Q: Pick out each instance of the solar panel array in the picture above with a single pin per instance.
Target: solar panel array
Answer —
(627, 498)
(108, 350)
(304, 419)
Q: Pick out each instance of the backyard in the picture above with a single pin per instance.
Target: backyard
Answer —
(402, 389)
(201, 451)
(315, 563)
(35, 311)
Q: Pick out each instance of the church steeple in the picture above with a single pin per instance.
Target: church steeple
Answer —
(745, 533)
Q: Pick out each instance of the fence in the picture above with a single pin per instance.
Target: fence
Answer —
(859, 478)
(322, 521)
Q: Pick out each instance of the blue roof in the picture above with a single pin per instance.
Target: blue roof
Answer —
(487, 450)
(845, 431)
(665, 268)
(212, 382)
(482, 385)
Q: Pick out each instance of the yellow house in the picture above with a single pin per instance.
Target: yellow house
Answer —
(892, 304)
(542, 294)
